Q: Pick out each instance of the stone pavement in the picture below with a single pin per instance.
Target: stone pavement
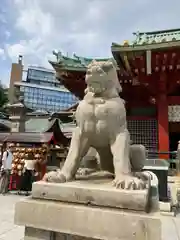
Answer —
(9, 231)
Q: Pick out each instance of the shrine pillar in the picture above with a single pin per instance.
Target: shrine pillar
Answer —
(162, 117)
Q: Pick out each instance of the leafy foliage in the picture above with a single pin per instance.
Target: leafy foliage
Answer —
(3, 96)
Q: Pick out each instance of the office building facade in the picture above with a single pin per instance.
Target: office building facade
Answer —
(51, 99)
(41, 91)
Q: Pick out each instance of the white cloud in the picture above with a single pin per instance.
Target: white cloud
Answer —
(59, 24)
(7, 34)
(2, 54)
(2, 18)
(86, 27)
(32, 50)
(24, 47)
(33, 21)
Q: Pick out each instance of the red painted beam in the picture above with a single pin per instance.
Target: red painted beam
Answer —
(173, 100)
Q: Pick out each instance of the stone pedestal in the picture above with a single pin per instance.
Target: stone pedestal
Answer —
(86, 209)
(94, 192)
(44, 218)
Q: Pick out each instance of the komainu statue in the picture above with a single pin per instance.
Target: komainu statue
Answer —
(101, 124)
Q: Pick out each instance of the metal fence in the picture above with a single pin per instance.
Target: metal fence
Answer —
(172, 157)
(153, 154)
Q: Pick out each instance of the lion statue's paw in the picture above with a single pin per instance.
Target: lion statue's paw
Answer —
(129, 182)
(54, 176)
(85, 171)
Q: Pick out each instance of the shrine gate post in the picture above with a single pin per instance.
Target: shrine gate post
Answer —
(162, 117)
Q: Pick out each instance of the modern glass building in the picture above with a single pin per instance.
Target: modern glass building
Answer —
(41, 91)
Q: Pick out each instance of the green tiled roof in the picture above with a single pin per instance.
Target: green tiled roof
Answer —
(41, 125)
(6, 123)
(74, 63)
(149, 38)
(38, 125)
(157, 36)
(33, 125)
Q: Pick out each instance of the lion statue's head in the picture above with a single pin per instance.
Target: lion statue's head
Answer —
(102, 76)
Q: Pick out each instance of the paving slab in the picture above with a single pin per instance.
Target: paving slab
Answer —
(8, 230)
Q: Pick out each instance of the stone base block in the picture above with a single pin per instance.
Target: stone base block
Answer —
(44, 218)
(37, 234)
(94, 192)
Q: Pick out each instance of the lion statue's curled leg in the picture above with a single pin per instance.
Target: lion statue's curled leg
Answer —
(115, 159)
(78, 148)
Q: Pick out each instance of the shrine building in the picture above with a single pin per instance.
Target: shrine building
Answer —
(149, 72)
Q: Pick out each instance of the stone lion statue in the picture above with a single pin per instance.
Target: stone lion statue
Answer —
(101, 124)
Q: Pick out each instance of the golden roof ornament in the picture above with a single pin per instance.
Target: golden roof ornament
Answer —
(126, 43)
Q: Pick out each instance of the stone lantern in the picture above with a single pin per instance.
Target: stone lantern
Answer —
(17, 116)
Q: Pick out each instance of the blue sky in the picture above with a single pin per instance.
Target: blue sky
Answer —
(34, 28)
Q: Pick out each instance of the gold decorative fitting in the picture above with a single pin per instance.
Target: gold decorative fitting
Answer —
(143, 70)
(136, 70)
(163, 68)
(126, 43)
(135, 82)
(64, 73)
(152, 100)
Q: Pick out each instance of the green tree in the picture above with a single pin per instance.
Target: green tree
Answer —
(3, 96)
